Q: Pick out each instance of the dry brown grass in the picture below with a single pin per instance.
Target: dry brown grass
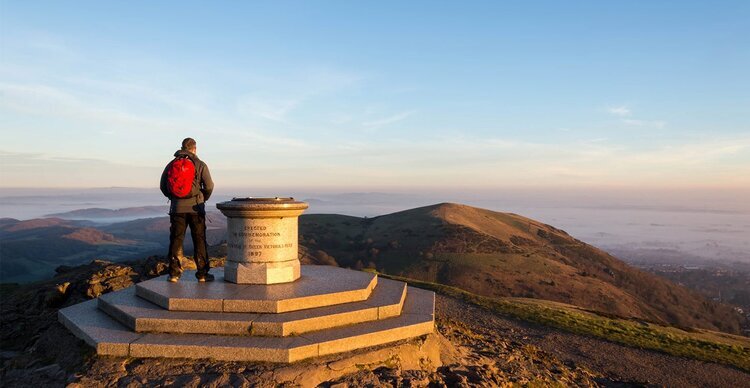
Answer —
(501, 254)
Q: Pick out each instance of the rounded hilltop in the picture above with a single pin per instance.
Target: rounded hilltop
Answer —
(504, 254)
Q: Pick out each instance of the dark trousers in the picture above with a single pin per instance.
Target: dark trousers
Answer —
(178, 225)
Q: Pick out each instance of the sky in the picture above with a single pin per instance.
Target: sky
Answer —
(379, 95)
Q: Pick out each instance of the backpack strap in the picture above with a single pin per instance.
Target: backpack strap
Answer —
(197, 177)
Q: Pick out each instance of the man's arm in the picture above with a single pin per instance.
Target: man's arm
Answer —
(163, 184)
(207, 185)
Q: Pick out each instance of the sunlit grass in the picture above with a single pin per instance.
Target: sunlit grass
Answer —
(701, 345)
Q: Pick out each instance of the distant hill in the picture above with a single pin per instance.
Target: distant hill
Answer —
(504, 254)
(100, 213)
(8, 225)
(156, 229)
(31, 249)
(93, 236)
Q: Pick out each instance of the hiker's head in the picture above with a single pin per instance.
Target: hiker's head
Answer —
(189, 145)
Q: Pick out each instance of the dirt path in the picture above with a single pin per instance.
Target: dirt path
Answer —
(619, 364)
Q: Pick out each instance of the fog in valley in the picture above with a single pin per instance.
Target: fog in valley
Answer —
(679, 227)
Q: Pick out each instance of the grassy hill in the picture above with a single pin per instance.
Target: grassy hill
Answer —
(503, 254)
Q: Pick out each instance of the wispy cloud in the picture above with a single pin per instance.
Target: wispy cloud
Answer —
(276, 98)
(459, 160)
(44, 100)
(486, 162)
(49, 170)
(620, 111)
(176, 99)
(377, 123)
(39, 42)
(273, 109)
(659, 124)
(625, 114)
(102, 117)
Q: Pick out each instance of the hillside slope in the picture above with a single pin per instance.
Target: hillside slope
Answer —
(503, 254)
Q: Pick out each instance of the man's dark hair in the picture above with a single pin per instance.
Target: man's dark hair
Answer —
(188, 143)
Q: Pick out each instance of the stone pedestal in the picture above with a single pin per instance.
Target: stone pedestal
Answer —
(327, 310)
(262, 240)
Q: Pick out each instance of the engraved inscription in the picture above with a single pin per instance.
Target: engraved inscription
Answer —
(256, 234)
(278, 246)
(243, 246)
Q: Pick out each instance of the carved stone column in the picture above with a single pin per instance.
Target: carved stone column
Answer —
(262, 243)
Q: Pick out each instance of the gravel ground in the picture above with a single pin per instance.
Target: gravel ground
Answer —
(620, 365)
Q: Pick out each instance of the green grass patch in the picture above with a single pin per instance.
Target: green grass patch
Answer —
(701, 345)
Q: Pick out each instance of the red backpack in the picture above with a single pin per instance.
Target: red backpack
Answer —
(180, 177)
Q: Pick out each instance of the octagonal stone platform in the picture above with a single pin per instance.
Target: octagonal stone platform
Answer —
(109, 337)
(317, 286)
(140, 315)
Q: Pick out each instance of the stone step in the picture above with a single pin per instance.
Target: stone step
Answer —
(318, 286)
(109, 337)
(143, 316)
(99, 330)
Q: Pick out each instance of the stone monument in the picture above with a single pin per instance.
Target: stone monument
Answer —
(262, 240)
(268, 308)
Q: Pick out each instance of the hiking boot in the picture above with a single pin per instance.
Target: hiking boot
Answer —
(173, 278)
(205, 278)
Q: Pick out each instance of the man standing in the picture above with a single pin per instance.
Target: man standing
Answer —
(188, 185)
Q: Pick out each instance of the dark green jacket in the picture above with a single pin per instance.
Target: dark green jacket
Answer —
(203, 186)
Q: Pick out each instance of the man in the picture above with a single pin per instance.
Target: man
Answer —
(187, 209)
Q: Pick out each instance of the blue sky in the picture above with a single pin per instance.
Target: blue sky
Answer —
(378, 95)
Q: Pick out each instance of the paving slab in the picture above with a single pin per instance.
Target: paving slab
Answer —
(318, 286)
(228, 348)
(143, 316)
(421, 303)
(417, 318)
(97, 329)
(188, 294)
(385, 301)
(397, 290)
